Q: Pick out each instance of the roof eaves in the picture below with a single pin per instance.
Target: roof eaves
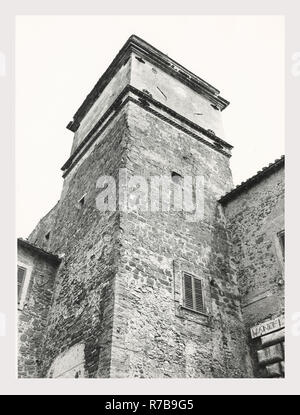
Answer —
(265, 171)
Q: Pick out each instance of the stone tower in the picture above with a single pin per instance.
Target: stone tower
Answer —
(143, 293)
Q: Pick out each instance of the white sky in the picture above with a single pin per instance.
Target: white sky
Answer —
(59, 60)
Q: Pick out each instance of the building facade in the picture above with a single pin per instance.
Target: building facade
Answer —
(139, 290)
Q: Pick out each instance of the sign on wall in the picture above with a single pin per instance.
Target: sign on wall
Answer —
(267, 327)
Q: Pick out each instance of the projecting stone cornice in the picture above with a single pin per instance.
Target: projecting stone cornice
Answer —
(145, 51)
(41, 252)
(158, 109)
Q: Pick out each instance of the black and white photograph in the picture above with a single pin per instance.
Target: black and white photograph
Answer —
(150, 176)
(149, 207)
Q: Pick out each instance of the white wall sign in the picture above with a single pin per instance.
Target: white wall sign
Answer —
(267, 327)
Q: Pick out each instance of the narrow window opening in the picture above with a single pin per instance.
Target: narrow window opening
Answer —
(176, 177)
(47, 236)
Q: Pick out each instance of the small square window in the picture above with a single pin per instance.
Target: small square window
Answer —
(193, 293)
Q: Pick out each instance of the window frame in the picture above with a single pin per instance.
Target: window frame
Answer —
(25, 285)
(193, 277)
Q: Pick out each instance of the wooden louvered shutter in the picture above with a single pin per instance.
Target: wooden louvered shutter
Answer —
(193, 294)
(198, 295)
(188, 291)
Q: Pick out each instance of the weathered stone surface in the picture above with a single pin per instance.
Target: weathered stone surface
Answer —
(254, 219)
(70, 364)
(270, 354)
(32, 319)
(108, 95)
(135, 318)
(274, 370)
(159, 340)
(272, 338)
(83, 300)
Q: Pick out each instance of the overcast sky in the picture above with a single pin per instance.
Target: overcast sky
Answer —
(59, 59)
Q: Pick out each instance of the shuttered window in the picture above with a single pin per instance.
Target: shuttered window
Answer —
(193, 293)
(21, 279)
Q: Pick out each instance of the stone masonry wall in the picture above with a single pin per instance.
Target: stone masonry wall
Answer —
(106, 98)
(117, 307)
(153, 336)
(82, 310)
(32, 319)
(172, 92)
(254, 219)
(45, 225)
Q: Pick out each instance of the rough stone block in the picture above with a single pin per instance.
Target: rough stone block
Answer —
(270, 354)
(273, 370)
(272, 338)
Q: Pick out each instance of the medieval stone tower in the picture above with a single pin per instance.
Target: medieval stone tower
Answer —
(139, 293)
